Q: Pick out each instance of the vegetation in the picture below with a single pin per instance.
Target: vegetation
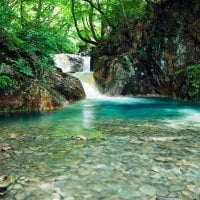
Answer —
(32, 31)
(5, 81)
(193, 81)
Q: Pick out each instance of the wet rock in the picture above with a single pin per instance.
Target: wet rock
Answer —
(13, 136)
(164, 159)
(156, 169)
(79, 137)
(61, 178)
(148, 190)
(20, 196)
(159, 47)
(5, 181)
(69, 63)
(163, 139)
(56, 196)
(34, 95)
(177, 187)
(167, 198)
(5, 147)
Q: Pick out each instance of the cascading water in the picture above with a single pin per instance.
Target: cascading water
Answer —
(81, 71)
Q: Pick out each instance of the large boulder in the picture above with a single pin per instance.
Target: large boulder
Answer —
(69, 63)
(53, 92)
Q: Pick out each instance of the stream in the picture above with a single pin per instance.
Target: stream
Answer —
(106, 148)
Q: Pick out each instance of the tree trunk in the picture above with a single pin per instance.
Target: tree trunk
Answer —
(77, 28)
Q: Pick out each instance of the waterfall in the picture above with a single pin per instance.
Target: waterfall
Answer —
(79, 67)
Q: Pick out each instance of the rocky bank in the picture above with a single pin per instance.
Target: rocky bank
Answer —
(51, 92)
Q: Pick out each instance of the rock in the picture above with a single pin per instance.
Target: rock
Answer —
(163, 139)
(79, 137)
(20, 196)
(69, 86)
(13, 136)
(136, 141)
(33, 95)
(83, 172)
(153, 198)
(194, 189)
(156, 169)
(17, 186)
(164, 159)
(167, 198)
(148, 190)
(5, 181)
(69, 63)
(5, 148)
(61, 178)
(56, 196)
(155, 60)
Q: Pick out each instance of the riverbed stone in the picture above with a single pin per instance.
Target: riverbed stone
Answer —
(156, 169)
(148, 190)
(20, 196)
(177, 187)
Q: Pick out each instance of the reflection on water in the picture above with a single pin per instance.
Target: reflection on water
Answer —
(87, 118)
(118, 161)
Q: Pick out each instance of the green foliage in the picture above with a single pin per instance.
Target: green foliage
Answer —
(97, 20)
(126, 62)
(5, 81)
(194, 75)
(22, 67)
(193, 78)
(142, 53)
(32, 31)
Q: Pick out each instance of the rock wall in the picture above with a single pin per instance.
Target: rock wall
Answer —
(148, 62)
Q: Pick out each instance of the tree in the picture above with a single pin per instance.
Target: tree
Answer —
(95, 20)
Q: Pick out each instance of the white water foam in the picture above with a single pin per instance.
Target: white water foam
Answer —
(63, 62)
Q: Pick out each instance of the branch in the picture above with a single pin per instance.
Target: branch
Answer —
(98, 8)
(77, 28)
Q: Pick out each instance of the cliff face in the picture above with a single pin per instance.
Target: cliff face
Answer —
(155, 58)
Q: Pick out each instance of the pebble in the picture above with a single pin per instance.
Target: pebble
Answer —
(110, 169)
(17, 187)
(156, 169)
(164, 159)
(177, 187)
(61, 178)
(148, 190)
(167, 198)
(20, 196)
(79, 137)
(56, 196)
(194, 189)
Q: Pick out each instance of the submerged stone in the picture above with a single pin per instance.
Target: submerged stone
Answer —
(148, 190)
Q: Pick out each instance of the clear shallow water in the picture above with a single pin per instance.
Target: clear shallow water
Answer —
(119, 160)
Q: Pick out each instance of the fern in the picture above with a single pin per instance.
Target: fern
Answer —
(22, 67)
(5, 81)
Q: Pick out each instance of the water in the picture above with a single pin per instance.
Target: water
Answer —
(89, 85)
(66, 62)
(120, 158)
